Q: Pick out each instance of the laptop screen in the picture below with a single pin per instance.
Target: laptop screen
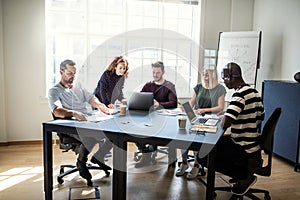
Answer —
(140, 101)
(189, 111)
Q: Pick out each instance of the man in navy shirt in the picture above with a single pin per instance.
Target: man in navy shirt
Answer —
(164, 97)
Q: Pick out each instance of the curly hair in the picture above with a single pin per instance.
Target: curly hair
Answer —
(119, 59)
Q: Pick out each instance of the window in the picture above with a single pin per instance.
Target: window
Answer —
(92, 32)
(210, 57)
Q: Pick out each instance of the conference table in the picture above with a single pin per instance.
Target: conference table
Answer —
(136, 126)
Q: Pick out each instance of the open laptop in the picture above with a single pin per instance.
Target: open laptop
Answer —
(140, 101)
(196, 120)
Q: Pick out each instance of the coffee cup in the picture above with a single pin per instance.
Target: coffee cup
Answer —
(123, 109)
(182, 122)
(124, 102)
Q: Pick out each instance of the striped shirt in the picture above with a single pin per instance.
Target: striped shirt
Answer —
(247, 110)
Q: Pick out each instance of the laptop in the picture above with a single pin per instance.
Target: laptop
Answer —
(140, 101)
(197, 119)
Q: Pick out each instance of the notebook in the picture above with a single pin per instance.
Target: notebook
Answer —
(140, 101)
(197, 119)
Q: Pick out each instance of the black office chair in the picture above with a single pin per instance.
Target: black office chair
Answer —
(67, 143)
(266, 143)
(164, 150)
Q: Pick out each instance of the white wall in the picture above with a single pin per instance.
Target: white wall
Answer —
(221, 16)
(24, 68)
(280, 23)
(3, 134)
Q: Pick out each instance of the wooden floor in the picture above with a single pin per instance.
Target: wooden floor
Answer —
(21, 177)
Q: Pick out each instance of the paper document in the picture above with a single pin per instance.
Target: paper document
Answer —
(171, 112)
(113, 111)
(204, 128)
(98, 116)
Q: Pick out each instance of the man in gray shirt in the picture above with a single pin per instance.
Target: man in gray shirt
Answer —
(68, 100)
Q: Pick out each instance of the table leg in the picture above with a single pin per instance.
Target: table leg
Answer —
(119, 170)
(48, 164)
(211, 174)
(172, 157)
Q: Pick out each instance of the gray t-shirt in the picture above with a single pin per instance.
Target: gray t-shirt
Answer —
(75, 98)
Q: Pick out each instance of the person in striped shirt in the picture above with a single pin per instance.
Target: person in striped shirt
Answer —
(238, 151)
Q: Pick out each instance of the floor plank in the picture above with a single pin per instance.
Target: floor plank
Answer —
(21, 177)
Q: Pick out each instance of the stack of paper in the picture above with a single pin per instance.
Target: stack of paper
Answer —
(171, 112)
(204, 128)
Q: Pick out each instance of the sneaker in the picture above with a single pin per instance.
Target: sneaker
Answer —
(193, 173)
(101, 164)
(83, 170)
(242, 186)
(145, 160)
(182, 169)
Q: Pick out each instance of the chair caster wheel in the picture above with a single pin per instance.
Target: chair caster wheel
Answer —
(61, 171)
(60, 180)
(107, 174)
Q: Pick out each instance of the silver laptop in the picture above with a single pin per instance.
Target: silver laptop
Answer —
(141, 101)
(197, 119)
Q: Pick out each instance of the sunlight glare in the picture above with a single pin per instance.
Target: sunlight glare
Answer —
(15, 170)
(14, 180)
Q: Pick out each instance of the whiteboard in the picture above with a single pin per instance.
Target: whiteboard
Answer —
(242, 48)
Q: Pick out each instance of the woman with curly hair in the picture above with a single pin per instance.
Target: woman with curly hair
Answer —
(111, 84)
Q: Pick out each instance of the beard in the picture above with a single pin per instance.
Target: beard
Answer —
(157, 78)
(69, 81)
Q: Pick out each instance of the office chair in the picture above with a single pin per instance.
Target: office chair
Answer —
(266, 143)
(150, 149)
(67, 143)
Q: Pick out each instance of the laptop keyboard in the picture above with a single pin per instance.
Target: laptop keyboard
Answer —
(202, 120)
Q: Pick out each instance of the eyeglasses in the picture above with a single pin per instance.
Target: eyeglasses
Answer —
(69, 73)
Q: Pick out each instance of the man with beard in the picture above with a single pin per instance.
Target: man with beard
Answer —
(68, 100)
(164, 97)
